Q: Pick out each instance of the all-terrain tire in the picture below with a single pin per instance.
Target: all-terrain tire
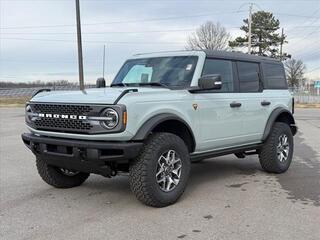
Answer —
(143, 182)
(56, 178)
(268, 155)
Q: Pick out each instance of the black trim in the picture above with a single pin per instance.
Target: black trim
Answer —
(217, 153)
(124, 93)
(149, 125)
(238, 56)
(96, 111)
(272, 118)
(236, 82)
(41, 90)
(235, 104)
(81, 155)
(292, 105)
(265, 103)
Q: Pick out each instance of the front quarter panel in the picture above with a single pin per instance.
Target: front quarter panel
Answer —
(144, 107)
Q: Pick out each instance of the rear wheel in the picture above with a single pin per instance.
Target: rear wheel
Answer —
(60, 177)
(159, 175)
(276, 154)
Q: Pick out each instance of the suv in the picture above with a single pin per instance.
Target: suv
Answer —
(162, 112)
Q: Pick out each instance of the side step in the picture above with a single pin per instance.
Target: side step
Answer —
(246, 150)
(244, 154)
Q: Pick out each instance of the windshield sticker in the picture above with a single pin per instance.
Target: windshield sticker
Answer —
(189, 67)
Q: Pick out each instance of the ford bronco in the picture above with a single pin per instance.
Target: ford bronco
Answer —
(162, 112)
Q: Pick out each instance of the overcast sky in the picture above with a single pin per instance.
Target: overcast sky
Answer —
(38, 41)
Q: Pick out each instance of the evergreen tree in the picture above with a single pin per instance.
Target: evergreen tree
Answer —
(265, 38)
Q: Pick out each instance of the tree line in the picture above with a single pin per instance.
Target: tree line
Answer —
(37, 83)
(266, 40)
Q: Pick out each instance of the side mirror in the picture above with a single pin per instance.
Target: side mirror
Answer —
(101, 83)
(210, 82)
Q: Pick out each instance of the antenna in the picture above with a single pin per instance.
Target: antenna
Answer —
(80, 58)
(104, 60)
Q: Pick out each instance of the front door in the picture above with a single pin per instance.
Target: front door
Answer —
(219, 114)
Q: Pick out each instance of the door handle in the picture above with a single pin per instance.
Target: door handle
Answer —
(265, 103)
(235, 104)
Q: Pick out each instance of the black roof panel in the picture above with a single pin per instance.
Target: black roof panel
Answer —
(238, 56)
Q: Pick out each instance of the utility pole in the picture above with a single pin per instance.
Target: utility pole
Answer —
(249, 24)
(80, 58)
(282, 37)
(104, 60)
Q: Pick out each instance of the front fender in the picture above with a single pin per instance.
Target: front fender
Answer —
(150, 124)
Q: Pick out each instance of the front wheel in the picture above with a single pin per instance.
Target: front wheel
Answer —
(276, 154)
(60, 177)
(159, 175)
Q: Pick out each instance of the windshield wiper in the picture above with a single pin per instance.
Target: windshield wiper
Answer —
(118, 85)
(153, 84)
(121, 84)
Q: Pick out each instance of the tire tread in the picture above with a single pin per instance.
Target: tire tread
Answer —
(52, 177)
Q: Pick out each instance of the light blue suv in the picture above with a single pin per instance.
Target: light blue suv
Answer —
(162, 112)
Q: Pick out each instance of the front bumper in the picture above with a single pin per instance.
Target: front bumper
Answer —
(81, 155)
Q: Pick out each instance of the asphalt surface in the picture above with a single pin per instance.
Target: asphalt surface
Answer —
(227, 198)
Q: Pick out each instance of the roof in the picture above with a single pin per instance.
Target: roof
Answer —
(211, 53)
(238, 56)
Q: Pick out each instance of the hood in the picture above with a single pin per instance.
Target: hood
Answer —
(95, 95)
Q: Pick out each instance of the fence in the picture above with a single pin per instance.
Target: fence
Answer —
(300, 95)
(306, 95)
(28, 92)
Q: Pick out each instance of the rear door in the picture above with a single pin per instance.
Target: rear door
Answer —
(254, 103)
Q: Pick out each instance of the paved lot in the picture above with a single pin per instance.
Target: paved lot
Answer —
(227, 198)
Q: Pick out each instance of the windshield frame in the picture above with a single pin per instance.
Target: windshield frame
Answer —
(195, 73)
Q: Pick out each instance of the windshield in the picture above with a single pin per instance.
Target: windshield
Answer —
(161, 71)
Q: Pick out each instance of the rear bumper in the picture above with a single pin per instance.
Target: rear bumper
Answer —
(81, 155)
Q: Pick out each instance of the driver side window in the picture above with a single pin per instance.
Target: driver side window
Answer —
(222, 67)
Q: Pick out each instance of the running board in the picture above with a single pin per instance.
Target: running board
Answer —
(217, 153)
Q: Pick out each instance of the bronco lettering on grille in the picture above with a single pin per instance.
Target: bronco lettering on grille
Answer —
(64, 116)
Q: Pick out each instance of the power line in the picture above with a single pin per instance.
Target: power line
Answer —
(130, 32)
(147, 20)
(312, 70)
(88, 41)
(127, 21)
(106, 32)
(294, 15)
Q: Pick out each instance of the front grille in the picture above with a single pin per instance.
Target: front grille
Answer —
(71, 118)
(66, 124)
(77, 125)
(62, 109)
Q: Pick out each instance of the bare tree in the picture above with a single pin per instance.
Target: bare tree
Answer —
(209, 36)
(295, 70)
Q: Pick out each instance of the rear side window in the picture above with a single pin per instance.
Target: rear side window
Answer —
(248, 76)
(274, 76)
(222, 67)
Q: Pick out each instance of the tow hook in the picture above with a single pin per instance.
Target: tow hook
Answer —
(113, 173)
(34, 148)
(82, 154)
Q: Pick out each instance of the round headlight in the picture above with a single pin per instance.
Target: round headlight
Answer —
(28, 113)
(28, 108)
(111, 118)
